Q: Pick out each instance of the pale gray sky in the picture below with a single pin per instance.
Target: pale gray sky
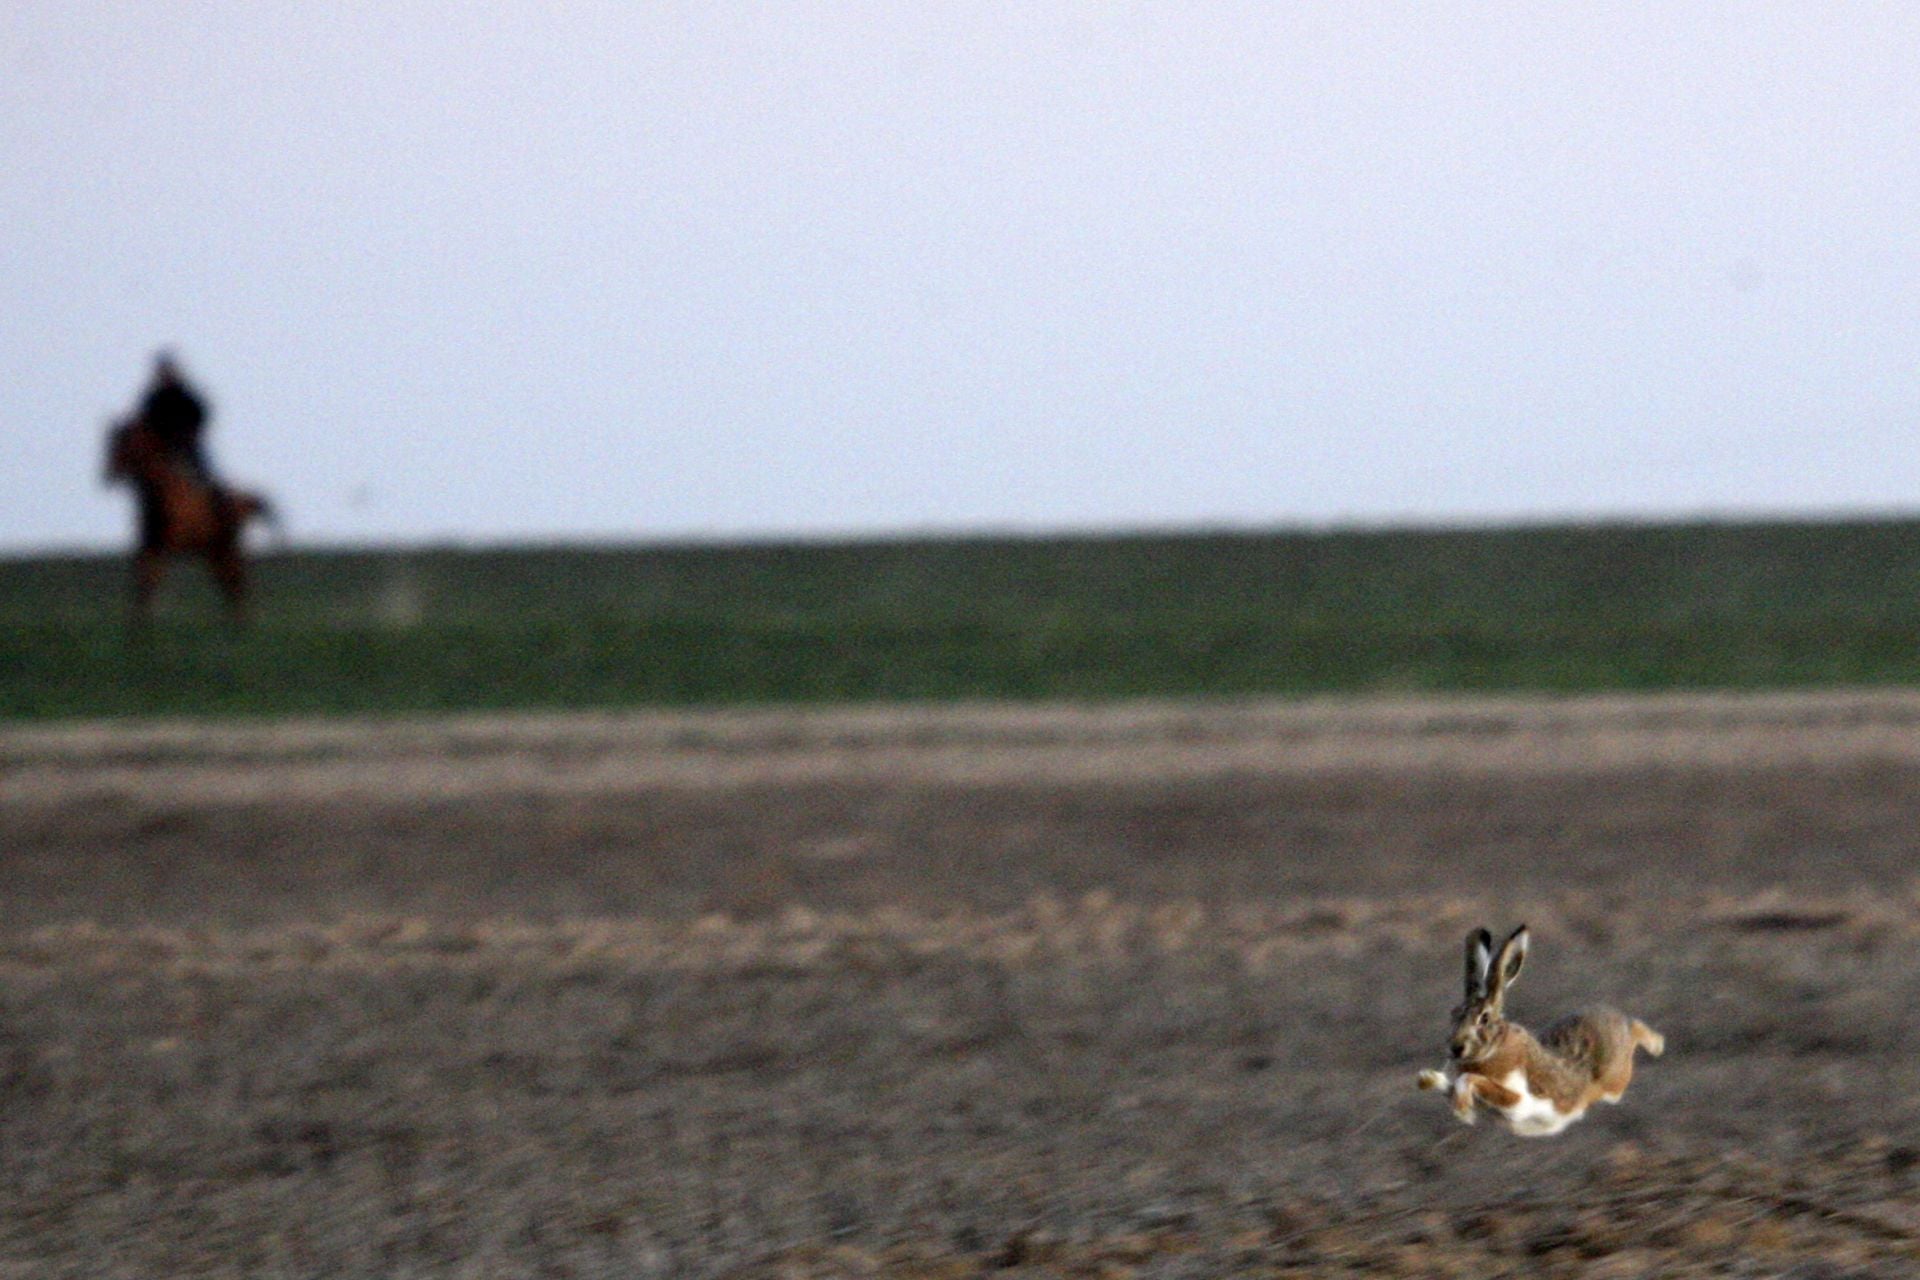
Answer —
(650, 270)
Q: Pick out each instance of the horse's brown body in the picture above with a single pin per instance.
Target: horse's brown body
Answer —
(180, 514)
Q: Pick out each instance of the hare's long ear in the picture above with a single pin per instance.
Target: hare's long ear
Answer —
(1479, 957)
(1506, 966)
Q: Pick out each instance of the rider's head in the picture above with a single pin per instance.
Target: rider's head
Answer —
(166, 366)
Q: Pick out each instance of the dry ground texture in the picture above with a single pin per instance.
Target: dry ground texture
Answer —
(1045, 991)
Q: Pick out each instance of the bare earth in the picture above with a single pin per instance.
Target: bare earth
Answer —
(931, 992)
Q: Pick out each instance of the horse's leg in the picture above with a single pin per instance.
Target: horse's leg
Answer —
(230, 571)
(149, 566)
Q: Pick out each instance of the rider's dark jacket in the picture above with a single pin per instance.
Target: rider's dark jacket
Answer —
(175, 412)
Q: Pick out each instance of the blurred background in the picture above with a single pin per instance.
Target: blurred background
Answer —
(1005, 351)
(693, 272)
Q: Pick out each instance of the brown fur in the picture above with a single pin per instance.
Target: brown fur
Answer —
(1581, 1059)
(1599, 1043)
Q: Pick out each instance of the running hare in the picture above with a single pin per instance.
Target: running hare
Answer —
(1538, 1086)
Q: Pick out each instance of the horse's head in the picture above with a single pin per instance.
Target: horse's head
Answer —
(132, 452)
(116, 468)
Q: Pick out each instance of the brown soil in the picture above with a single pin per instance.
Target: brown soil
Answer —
(1053, 991)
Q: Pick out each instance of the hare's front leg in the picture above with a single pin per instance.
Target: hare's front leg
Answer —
(1459, 1091)
(1471, 1087)
(1462, 1097)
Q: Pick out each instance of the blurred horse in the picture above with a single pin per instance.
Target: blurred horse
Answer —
(180, 514)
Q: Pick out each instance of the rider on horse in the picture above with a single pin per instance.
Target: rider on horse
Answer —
(183, 506)
(176, 413)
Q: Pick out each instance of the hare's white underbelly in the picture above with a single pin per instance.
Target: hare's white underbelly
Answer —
(1533, 1116)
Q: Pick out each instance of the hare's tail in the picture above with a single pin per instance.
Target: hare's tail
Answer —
(1647, 1038)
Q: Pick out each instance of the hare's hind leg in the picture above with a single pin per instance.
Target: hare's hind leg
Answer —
(1618, 1073)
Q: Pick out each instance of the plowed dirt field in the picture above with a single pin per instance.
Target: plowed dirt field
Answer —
(935, 992)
